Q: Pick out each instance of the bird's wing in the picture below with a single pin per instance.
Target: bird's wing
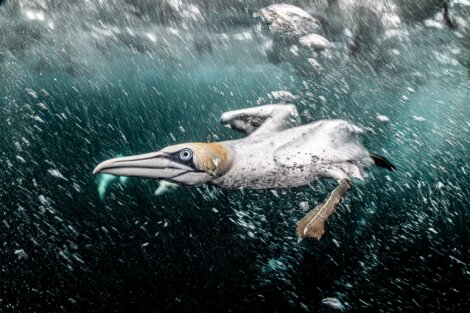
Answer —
(328, 142)
(262, 120)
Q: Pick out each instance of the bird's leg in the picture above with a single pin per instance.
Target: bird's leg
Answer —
(313, 223)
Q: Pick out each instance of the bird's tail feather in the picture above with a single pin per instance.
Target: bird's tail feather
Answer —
(382, 162)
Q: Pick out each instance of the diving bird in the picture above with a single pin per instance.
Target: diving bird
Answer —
(276, 152)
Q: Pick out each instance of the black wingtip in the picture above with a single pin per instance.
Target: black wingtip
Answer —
(382, 162)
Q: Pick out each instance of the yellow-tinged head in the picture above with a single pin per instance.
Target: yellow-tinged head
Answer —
(190, 164)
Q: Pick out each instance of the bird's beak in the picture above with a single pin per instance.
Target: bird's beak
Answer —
(151, 165)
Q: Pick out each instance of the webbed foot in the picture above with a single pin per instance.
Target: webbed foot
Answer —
(313, 223)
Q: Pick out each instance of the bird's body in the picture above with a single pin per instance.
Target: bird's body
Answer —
(296, 156)
(277, 152)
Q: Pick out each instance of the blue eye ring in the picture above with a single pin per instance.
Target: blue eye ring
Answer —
(186, 154)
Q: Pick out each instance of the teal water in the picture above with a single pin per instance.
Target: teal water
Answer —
(398, 242)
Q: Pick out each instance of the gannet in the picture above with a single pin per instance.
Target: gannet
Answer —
(288, 22)
(294, 34)
(276, 152)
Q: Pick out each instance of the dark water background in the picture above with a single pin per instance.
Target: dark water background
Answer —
(73, 95)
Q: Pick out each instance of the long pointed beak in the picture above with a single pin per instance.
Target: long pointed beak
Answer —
(151, 165)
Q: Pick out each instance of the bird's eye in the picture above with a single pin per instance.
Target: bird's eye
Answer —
(186, 154)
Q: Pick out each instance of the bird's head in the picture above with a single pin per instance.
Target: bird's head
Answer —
(189, 164)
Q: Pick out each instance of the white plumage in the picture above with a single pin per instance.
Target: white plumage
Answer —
(279, 153)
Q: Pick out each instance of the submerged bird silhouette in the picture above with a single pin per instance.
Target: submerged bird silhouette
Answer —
(277, 152)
